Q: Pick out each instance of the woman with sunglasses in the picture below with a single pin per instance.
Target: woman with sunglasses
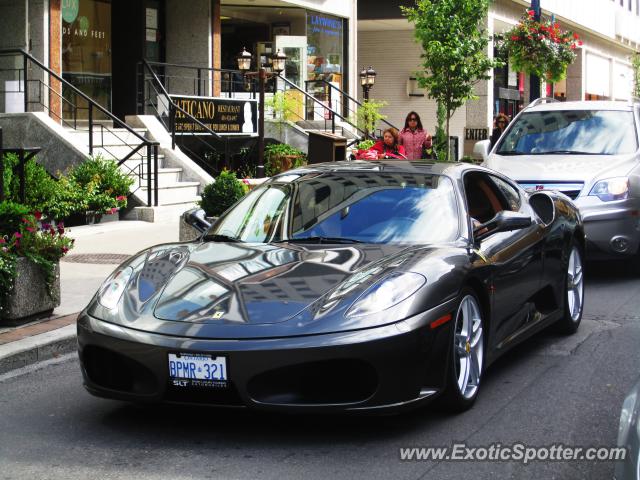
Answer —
(499, 124)
(414, 138)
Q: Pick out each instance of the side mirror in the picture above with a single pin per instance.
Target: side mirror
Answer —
(504, 221)
(197, 219)
(481, 149)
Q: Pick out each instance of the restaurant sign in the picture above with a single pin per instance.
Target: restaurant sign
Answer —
(224, 116)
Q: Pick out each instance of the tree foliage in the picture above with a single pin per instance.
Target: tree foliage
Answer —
(635, 63)
(454, 47)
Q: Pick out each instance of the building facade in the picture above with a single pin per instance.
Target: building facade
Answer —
(96, 45)
(610, 30)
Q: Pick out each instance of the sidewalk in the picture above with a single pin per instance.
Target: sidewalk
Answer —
(97, 251)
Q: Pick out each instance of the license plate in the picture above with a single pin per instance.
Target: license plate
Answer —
(197, 369)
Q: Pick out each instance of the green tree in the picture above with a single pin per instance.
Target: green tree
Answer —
(454, 47)
(635, 63)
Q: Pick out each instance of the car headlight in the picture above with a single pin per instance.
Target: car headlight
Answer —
(611, 189)
(386, 293)
(112, 289)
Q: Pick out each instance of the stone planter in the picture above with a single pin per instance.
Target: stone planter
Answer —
(30, 298)
(188, 233)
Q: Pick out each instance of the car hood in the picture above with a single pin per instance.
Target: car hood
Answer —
(568, 168)
(241, 290)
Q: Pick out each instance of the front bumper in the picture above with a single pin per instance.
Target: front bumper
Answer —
(612, 228)
(386, 368)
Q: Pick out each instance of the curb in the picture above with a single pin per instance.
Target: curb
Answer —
(37, 348)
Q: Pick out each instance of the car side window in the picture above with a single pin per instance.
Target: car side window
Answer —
(511, 197)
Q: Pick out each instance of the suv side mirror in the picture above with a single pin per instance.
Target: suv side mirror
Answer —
(481, 149)
(504, 221)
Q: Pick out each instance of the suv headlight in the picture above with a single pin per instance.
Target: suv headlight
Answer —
(611, 189)
(112, 289)
(386, 293)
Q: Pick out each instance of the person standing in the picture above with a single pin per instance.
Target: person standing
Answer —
(388, 147)
(499, 125)
(414, 138)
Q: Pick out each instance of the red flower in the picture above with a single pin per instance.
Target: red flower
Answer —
(572, 47)
(580, 43)
(576, 36)
(514, 38)
(38, 215)
(31, 229)
(531, 13)
(24, 220)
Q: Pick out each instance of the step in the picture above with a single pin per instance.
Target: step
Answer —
(179, 192)
(166, 176)
(133, 164)
(118, 136)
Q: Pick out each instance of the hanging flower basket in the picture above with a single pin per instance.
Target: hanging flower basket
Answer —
(540, 48)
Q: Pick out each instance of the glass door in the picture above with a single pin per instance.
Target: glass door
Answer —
(295, 48)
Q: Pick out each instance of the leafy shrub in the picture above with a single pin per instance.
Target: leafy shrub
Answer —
(106, 185)
(11, 215)
(366, 144)
(220, 195)
(280, 157)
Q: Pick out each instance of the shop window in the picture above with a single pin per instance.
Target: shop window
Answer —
(324, 48)
(86, 53)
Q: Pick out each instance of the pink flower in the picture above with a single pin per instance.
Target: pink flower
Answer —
(31, 229)
(120, 198)
(2, 240)
(17, 235)
(113, 210)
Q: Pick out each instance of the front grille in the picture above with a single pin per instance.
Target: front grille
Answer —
(570, 189)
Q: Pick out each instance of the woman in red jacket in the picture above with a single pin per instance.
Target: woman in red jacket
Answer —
(388, 147)
(414, 138)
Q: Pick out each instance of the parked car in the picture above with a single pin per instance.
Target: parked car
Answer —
(587, 150)
(343, 286)
(629, 436)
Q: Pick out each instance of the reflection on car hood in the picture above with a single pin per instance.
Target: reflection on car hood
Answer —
(561, 167)
(238, 283)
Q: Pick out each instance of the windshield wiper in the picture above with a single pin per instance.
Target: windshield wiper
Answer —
(512, 152)
(216, 237)
(565, 152)
(319, 239)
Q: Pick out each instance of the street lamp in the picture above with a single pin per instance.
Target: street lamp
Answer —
(367, 80)
(278, 60)
(244, 60)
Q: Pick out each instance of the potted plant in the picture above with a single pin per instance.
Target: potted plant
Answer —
(540, 48)
(280, 157)
(106, 187)
(29, 263)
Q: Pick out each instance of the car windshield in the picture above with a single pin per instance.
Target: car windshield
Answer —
(566, 132)
(345, 207)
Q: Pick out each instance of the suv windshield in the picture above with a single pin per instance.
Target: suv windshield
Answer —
(579, 132)
(345, 207)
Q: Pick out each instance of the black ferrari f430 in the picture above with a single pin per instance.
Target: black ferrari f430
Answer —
(348, 286)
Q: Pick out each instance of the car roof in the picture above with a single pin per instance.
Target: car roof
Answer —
(453, 170)
(582, 105)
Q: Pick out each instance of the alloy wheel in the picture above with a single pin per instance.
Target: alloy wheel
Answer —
(468, 346)
(575, 285)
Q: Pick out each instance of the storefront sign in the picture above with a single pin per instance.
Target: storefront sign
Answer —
(325, 25)
(476, 133)
(70, 10)
(222, 115)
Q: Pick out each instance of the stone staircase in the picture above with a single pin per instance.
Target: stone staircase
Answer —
(116, 143)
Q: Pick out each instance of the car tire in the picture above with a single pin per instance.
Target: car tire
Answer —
(573, 291)
(466, 359)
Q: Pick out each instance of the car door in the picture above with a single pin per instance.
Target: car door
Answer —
(514, 257)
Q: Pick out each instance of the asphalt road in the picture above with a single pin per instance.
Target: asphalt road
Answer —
(551, 390)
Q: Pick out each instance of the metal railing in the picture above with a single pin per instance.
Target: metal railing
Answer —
(338, 99)
(38, 92)
(153, 97)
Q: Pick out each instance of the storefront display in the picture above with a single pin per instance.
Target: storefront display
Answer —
(86, 53)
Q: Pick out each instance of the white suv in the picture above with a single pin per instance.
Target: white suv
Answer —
(587, 150)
